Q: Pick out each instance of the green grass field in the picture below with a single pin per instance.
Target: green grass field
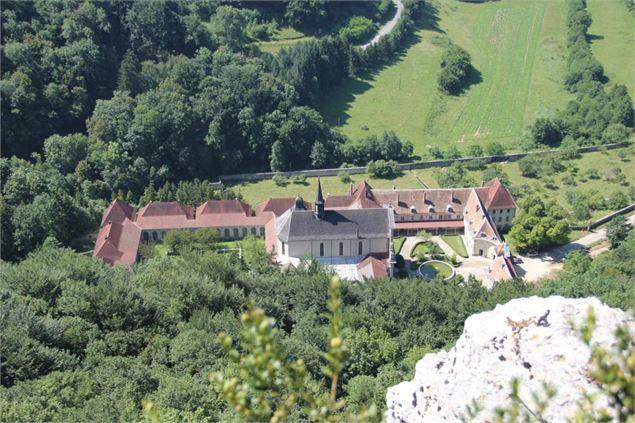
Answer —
(518, 47)
(456, 243)
(255, 192)
(613, 40)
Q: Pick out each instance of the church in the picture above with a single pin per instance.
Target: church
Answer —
(357, 237)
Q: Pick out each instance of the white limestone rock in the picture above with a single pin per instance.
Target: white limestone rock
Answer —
(528, 338)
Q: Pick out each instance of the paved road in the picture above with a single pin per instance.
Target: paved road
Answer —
(388, 26)
(533, 268)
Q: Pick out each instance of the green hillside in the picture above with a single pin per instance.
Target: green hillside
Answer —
(613, 40)
(518, 49)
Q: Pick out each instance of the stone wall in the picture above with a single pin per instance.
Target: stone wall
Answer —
(406, 166)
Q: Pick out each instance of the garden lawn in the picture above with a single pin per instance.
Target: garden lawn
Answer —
(518, 49)
(398, 243)
(420, 249)
(456, 243)
(612, 37)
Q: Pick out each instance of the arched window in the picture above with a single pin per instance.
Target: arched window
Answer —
(262, 231)
(359, 248)
(321, 249)
(244, 232)
(155, 236)
(146, 236)
(253, 230)
(341, 248)
(236, 235)
(163, 233)
(227, 234)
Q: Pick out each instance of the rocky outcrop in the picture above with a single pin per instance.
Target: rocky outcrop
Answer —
(529, 338)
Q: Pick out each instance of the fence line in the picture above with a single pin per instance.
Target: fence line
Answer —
(409, 166)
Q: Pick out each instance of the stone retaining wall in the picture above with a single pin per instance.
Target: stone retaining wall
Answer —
(408, 166)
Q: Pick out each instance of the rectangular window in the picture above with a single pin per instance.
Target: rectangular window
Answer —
(341, 248)
(321, 249)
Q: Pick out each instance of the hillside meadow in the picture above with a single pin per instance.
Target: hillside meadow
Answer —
(613, 40)
(518, 52)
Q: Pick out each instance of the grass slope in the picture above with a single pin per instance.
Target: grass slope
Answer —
(518, 50)
(613, 40)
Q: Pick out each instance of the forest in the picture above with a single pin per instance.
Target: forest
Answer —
(82, 340)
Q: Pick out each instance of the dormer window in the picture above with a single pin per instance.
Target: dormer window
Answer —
(413, 209)
(430, 209)
(449, 208)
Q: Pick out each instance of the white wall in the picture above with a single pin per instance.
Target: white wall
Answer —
(332, 247)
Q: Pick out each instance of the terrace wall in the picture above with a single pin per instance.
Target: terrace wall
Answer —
(409, 166)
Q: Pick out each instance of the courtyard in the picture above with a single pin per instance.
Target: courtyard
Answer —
(447, 248)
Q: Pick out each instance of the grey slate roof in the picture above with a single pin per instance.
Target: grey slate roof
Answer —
(296, 225)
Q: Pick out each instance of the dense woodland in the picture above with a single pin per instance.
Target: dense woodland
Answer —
(104, 99)
(82, 340)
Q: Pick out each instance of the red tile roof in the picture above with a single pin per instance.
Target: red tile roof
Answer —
(372, 267)
(118, 239)
(279, 205)
(496, 196)
(501, 270)
(423, 201)
(117, 211)
(223, 206)
(478, 220)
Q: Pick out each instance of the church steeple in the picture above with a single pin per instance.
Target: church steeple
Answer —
(319, 201)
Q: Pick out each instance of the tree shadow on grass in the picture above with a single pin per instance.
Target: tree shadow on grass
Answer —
(593, 37)
(474, 77)
(339, 99)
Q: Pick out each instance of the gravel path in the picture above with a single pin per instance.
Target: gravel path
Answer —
(388, 26)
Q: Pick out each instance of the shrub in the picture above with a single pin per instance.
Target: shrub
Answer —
(280, 180)
(298, 179)
(546, 131)
(617, 200)
(383, 168)
(568, 180)
(475, 150)
(358, 29)
(345, 177)
(494, 149)
(592, 173)
(435, 152)
(455, 66)
(452, 153)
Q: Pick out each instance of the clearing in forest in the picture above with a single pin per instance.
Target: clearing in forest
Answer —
(518, 50)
